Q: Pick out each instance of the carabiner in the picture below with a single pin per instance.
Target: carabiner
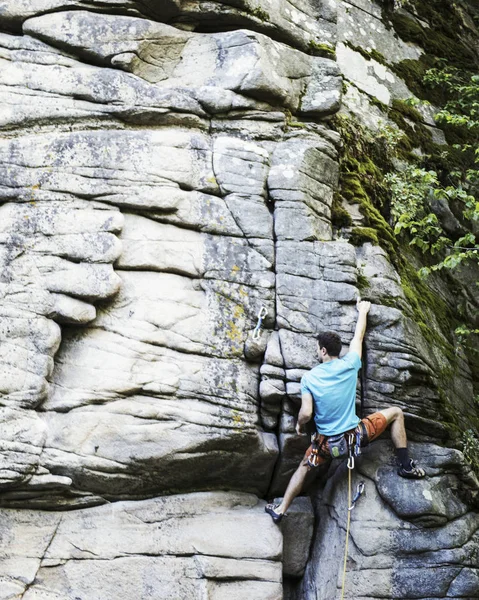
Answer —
(359, 492)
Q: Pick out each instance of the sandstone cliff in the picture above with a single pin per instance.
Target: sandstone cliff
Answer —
(169, 169)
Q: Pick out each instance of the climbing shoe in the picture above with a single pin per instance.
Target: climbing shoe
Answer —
(270, 509)
(412, 471)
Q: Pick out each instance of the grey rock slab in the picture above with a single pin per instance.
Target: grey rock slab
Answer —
(174, 392)
(297, 530)
(300, 182)
(466, 583)
(271, 371)
(107, 164)
(323, 94)
(131, 366)
(411, 583)
(71, 310)
(302, 161)
(317, 260)
(370, 76)
(179, 546)
(298, 350)
(30, 341)
(22, 438)
(451, 537)
(296, 23)
(252, 215)
(241, 61)
(292, 448)
(428, 503)
(272, 391)
(240, 167)
(273, 354)
(296, 221)
(65, 89)
(365, 27)
(164, 452)
(102, 163)
(250, 126)
(212, 318)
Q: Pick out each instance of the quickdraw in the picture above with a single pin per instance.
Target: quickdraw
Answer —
(357, 495)
(263, 313)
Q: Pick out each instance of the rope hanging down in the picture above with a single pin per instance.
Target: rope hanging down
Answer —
(352, 447)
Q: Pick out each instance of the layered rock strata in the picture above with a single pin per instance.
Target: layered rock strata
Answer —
(166, 176)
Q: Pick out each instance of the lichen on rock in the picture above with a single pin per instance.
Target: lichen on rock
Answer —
(181, 211)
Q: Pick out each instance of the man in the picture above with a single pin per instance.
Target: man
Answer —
(330, 389)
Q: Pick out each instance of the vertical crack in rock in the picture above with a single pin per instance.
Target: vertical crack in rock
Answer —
(160, 182)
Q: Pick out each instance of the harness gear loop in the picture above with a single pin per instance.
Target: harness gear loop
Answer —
(351, 451)
(262, 314)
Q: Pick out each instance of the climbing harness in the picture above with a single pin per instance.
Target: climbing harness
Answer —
(263, 313)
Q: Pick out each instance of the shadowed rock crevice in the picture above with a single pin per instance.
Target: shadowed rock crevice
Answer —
(168, 169)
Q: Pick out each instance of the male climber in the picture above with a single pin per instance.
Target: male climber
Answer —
(330, 388)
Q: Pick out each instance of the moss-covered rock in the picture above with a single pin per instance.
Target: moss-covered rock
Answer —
(324, 50)
(361, 235)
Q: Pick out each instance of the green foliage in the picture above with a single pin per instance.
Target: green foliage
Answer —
(465, 338)
(470, 449)
(414, 188)
(407, 109)
(410, 209)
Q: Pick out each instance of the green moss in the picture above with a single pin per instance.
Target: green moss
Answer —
(427, 308)
(324, 50)
(362, 283)
(442, 39)
(407, 110)
(413, 72)
(375, 102)
(368, 54)
(361, 235)
(363, 163)
(339, 215)
(417, 135)
(290, 121)
(259, 13)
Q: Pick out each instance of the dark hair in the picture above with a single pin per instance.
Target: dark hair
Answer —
(331, 341)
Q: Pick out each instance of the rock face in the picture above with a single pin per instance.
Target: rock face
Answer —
(167, 256)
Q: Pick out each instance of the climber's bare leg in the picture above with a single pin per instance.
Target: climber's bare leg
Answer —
(294, 488)
(395, 418)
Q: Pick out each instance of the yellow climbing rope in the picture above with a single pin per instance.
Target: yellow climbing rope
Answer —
(347, 533)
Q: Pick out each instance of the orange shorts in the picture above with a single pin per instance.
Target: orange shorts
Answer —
(375, 425)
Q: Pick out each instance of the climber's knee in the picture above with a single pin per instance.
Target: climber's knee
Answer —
(393, 413)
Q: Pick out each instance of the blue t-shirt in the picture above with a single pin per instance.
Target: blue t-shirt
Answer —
(333, 387)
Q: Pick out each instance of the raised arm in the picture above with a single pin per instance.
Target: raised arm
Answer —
(305, 412)
(357, 341)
